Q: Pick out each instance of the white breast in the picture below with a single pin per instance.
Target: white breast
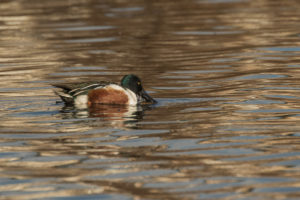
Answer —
(131, 97)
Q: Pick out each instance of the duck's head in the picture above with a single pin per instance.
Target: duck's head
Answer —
(134, 83)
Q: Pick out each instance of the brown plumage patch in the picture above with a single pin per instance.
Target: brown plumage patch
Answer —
(107, 96)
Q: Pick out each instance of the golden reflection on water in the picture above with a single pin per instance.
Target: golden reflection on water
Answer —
(225, 74)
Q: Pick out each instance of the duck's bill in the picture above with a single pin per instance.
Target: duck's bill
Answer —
(146, 98)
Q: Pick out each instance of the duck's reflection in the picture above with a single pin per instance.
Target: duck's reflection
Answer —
(110, 112)
(116, 114)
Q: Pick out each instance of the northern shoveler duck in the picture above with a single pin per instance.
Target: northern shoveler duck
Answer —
(129, 92)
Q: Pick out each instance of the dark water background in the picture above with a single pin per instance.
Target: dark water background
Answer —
(225, 74)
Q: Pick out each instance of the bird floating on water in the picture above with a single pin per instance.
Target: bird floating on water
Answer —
(129, 92)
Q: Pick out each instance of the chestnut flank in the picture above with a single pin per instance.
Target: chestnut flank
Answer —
(107, 96)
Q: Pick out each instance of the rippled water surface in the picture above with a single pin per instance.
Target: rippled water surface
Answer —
(225, 74)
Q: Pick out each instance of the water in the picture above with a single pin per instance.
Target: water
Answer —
(225, 74)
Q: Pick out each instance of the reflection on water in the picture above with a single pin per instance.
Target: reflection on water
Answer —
(118, 116)
(225, 74)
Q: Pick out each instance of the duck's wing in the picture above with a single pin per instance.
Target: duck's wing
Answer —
(67, 92)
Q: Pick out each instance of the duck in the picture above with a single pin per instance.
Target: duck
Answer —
(129, 92)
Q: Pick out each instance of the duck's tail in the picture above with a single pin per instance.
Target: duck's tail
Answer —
(62, 92)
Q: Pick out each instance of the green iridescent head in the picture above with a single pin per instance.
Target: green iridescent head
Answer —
(134, 83)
